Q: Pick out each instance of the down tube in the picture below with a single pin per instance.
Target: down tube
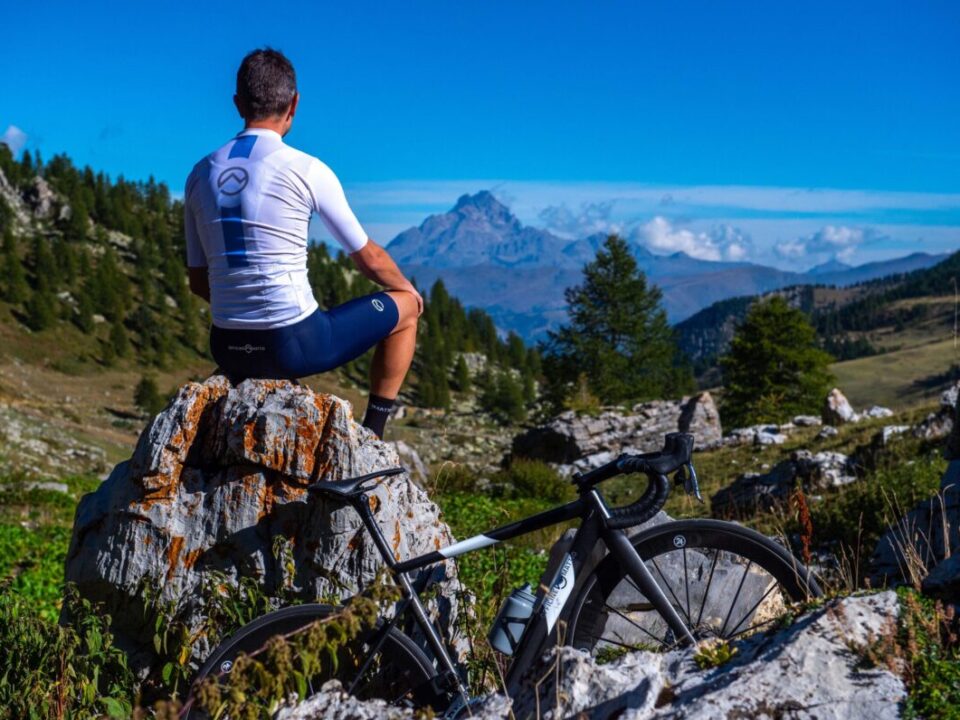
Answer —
(540, 635)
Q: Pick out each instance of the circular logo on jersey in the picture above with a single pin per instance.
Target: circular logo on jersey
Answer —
(377, 304)
(679, 541)
(233, 180)
(226, 666)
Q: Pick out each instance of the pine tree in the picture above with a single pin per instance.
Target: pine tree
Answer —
(41, 309)
(774, 369)
(15, 288)
(147, 395)
(502, 397)
(618, 334)
(461, 374)
(45, 271)
(85, 309)
(119, 342)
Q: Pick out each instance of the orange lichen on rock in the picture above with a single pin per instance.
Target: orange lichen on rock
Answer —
(173, 554)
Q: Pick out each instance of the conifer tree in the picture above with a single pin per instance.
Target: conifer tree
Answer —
(147, 397)
(41, 309)
(15, 288)
(119, 342)
(774, 369)
(618, 334)
(461, 374)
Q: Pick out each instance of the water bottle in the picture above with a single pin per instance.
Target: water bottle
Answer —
(512, 620)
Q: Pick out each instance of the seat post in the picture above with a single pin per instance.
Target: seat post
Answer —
(362, 505)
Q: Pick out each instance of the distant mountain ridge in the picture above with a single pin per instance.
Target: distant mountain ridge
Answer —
(517, 273)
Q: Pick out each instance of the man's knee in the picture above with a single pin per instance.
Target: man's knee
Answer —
(408, 309)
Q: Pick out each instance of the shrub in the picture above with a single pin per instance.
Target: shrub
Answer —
(147, 396)
(857, 515)
(535, 479)
(61, 672)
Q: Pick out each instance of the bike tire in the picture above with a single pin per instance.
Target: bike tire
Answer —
(404, 673)
(609, 614)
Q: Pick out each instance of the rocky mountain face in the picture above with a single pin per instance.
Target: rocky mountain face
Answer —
(216, 490)
(517, 273)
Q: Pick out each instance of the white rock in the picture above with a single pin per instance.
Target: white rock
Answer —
(827, 432)
(837, 409)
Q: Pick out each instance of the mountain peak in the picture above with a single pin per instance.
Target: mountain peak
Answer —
(483, 201)
(830, 266)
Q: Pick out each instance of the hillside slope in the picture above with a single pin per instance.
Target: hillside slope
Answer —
(893, 337)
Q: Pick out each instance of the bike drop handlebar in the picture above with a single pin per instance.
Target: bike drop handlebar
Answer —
(676, 453)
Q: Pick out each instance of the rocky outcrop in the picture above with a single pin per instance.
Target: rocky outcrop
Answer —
(569, 437)
(810, 669)
(752, 492)
(757, 435)
(940, 424)
(837, 410)
(217, 489)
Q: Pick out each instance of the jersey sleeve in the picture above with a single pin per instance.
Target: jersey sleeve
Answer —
(330, 203)
(196, 257)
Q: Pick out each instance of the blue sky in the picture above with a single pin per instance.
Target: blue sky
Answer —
(781, 133)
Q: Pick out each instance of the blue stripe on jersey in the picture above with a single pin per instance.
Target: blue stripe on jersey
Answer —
(242, 147)
(235, 248)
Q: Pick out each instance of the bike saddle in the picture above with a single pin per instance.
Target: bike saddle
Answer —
(351, 487)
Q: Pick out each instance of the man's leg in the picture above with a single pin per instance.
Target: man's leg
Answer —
(391, 361)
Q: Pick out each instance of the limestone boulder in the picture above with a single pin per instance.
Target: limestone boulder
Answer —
(570, 437)
(216, 490)
(837, 410)
(942, 423)
(752, 492)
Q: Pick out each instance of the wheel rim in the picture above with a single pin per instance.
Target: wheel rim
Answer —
(723, 586)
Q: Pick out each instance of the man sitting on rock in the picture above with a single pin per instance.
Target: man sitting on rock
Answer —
(247, 211)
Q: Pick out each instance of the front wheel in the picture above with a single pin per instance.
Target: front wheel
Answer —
(724, 580)
(399, 671)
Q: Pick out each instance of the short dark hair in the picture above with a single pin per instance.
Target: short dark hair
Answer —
(266, 84)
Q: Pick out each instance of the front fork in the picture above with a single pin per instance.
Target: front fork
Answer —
(630, 560)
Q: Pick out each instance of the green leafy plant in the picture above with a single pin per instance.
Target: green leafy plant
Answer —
(53, 671)
(711, 654)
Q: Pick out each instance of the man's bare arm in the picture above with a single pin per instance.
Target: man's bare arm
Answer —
(376, 264)
(199, 282)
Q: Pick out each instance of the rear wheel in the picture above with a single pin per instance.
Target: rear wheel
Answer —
(399, 672)
(724, 580)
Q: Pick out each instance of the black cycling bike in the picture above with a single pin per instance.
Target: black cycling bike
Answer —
(673, 583)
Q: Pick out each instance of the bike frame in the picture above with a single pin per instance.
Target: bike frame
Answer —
(542, 626)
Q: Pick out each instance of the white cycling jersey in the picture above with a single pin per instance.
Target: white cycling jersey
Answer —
(247, 210)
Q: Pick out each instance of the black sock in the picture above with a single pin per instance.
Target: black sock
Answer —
(378, 410)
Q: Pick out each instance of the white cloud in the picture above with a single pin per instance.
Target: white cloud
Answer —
(838, 241)
(593, 217)
(723, 242)
(14, 138)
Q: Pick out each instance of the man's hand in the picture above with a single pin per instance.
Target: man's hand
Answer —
(199, 282)
(376, 264)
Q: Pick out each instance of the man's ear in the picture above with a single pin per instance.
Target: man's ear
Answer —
(236, 103)
(293, 106)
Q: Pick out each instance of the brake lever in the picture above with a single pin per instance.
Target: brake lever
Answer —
(691, 484)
